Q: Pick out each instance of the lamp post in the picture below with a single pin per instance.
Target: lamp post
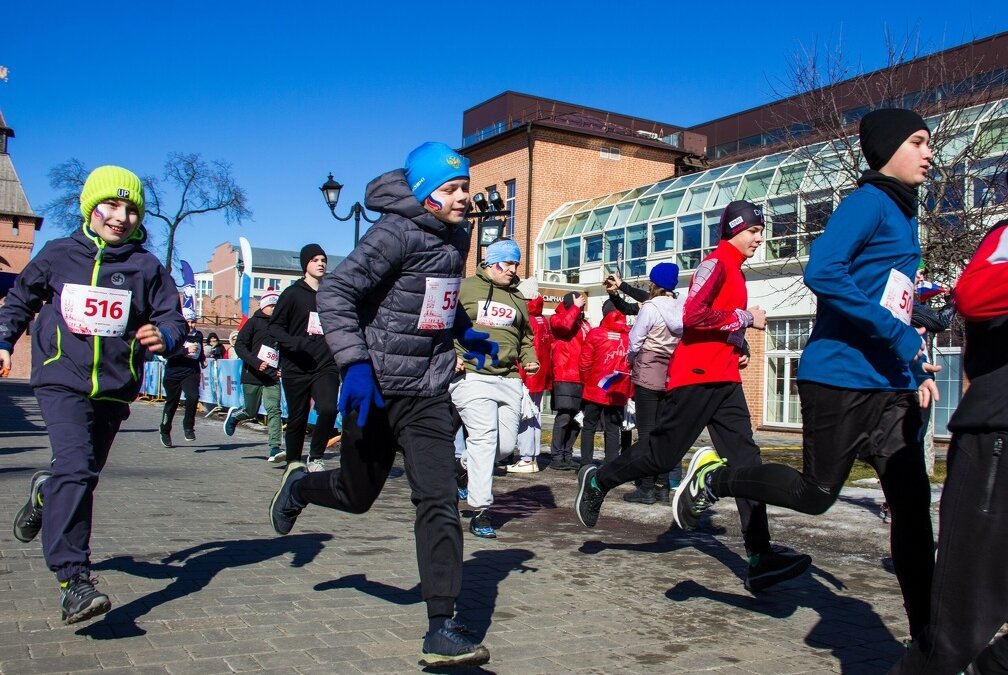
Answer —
(490, 215)
(331, 191)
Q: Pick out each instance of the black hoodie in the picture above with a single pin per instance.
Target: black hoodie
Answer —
(301, 352)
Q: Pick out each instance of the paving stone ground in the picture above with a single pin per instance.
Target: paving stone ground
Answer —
(201, 584)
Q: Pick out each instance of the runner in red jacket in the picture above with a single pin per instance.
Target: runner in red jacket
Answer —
(569, 329)
(605, 381)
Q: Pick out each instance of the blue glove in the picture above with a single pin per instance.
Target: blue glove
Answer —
(359, 391)
(478, 347)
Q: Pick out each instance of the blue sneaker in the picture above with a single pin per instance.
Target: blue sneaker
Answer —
(451, 646)
(231, 421)
(481, 527)
(284, 509)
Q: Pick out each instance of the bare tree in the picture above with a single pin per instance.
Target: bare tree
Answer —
(192, 185)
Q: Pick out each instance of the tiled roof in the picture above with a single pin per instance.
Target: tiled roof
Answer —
(13, 201)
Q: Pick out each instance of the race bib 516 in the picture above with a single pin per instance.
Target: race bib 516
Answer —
(93, 310)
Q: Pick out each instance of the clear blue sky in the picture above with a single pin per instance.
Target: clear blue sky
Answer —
(287, 92)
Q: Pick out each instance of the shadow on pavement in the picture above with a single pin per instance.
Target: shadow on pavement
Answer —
(200, 564)
(482, 574)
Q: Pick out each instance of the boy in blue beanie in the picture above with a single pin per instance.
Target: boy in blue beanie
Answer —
(388, 315)
(102, 302)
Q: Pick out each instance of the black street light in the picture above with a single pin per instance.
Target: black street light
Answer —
(491, 217)
(331, 191)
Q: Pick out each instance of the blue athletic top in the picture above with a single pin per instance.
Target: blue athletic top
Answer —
(868, 252)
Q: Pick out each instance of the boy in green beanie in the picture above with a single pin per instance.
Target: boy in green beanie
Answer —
(102, 300)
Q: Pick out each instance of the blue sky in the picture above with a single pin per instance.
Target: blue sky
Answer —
(290, 92)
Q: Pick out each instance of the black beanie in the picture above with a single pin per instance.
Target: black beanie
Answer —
(568, 299)
(883, 131)
(608, 308)
(740, 215)
(309, 252)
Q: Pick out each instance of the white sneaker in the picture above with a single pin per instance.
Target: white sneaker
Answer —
(524, 466)
(316, 465)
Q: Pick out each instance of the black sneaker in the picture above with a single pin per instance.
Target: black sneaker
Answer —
(661, 495)
(450, 645)
(284, 509)
(481, 527)
(461, 480)
(166, 440)
(231, 421)
(190, 434)
(28, 521)
(589, 498)
(774, 566)
(79, 600)
(641, 496)
(691, 497)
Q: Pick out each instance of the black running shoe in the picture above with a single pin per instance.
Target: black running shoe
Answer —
(691, 497)
(28, 521)
(589, 498)
(773, 567)
(79, 600)
(480, 525)
(461, 480)
(284, 509)
(641, 496)
(189, 434)
(451, 646)
(166, 440)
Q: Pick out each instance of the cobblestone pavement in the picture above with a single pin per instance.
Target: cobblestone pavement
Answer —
(201, 584)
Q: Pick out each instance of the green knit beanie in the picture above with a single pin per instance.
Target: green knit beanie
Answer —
(111, 182)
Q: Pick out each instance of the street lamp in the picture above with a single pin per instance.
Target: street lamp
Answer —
(491, 218)
(330, 192)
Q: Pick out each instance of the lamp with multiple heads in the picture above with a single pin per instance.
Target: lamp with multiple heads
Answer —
(331, 192)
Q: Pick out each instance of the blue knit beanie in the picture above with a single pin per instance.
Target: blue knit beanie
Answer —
(505, 250)
(665, 275)
(432, 165)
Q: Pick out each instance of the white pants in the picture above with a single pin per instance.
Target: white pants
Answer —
(490, 407)
(530, 429)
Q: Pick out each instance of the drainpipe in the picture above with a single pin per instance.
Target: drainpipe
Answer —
(528, 203)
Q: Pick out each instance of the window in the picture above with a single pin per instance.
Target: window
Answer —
(786, 339)
(636, 250)
(273, 283)
(690, 241)
(259, 283)
(204, 287)
(663, 236)
(609, 153)
(949, 383)
(990, 182)
(783, 240)
(509, 204)
(593, 248)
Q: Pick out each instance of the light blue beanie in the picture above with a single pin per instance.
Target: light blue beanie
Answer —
(505, 250)
(432, 165)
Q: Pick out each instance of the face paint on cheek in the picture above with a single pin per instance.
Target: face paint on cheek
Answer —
(434, 204)
(101, 214)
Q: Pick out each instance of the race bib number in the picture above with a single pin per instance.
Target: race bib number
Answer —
(495, 314)
(269, 356)
(93, 310)
(193, 349)
(898, 296)
(314, 325)
(440, 300)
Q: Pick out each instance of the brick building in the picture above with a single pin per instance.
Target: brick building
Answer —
(538, 153)
(18, 224)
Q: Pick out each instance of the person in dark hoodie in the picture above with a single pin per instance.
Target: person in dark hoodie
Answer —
(862, 378)
(969, 600)
(102, 302)
(389, 315)
(307, 368)
(182, 375)
(260, 380)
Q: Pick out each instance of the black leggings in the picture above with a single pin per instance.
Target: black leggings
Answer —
(610, 418)
(173, 393)
(841, 425)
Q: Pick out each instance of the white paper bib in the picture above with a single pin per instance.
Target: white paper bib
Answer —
(93, 310)
(495, 314)
(898, 296)
(440, 300)
(269, 356)
(314, 325)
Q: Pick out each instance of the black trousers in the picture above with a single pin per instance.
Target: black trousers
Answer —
(173, 394)
(610, 418)
(682, 416)
(647, 402)
(300, 390)
(81, 431)
(969, 599)
(841, 425)
(420, 428)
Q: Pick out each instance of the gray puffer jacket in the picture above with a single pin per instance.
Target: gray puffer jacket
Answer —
(370, 303)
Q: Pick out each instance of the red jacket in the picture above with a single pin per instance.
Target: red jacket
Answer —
(569, 331)
(604, 353)
(542, 342)
(714, 321)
